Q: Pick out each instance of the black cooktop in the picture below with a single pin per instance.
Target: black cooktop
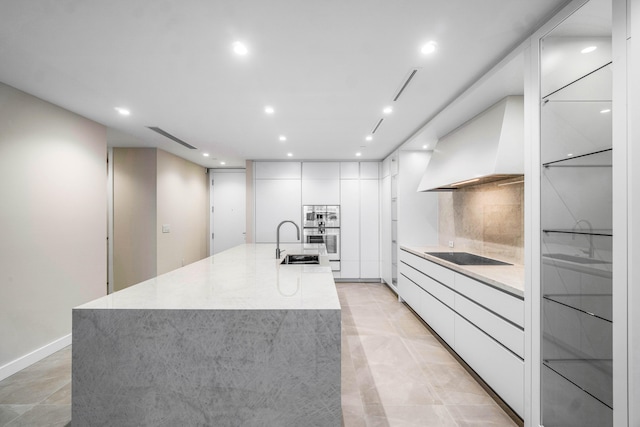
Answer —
(465, 258)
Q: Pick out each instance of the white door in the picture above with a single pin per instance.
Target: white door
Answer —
(228, 216)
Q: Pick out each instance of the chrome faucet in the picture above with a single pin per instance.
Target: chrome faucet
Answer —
(577, 226)
(278, 251)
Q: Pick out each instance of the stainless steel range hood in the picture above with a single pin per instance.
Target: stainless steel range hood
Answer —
(487, 148)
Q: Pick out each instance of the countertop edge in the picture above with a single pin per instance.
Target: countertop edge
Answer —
(509, 288)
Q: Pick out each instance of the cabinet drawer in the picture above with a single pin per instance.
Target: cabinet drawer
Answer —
(508, 306)
(436, 289)
(433, 270)
(438, 316)
(506, 333)
(410, 293)
(503, 371)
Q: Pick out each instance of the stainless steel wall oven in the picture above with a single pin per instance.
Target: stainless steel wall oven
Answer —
(322, 225)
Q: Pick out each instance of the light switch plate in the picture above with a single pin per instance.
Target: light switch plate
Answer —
(166, 228)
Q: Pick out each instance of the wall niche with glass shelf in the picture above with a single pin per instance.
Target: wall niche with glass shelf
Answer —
(576, 219)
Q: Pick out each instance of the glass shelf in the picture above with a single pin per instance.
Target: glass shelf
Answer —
(566, 404)
(598, 232)
(587, 160)
(597, 305)
(587, 375)
(578, 346)
(585, 87)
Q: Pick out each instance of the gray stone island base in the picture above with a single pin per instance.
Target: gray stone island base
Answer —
(138, 367)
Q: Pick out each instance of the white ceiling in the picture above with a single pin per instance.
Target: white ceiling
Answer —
(327, 67)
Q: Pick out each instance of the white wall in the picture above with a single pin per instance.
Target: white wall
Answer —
(54, 204)
(417, 212)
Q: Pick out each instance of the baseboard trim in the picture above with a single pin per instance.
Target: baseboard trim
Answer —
(33, 357)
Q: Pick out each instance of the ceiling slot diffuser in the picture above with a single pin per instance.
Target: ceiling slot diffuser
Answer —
(405, 84)
(171, 137)
(377, 126)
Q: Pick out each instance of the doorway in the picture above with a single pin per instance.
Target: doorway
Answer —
(228, 209)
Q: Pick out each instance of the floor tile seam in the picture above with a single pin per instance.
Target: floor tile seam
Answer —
(421, 364)
(355, 370)
(57, 390)
(363, 383)
(11, 420)
(359, 385)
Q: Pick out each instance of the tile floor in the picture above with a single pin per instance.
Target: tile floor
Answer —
(394, 373)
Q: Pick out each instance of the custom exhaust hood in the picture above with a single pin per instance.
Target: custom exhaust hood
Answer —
(487, 148)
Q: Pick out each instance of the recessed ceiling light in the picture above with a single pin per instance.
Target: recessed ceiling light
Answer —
(570, 155)
(606, 110)
(223, 163)
(369, 137)
(289, 154)
(387, 110)
(588, 49)
(240, 48)
(205, 154)
(122, 111)
(269, 109)
(424, 147)
(429, 48)
(358, 154)
(282, 138)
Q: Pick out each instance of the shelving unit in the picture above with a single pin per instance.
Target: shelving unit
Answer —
(576, 236)
(394, 227)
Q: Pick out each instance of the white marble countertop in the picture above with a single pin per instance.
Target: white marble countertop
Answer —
(509, 278)
(246, 277)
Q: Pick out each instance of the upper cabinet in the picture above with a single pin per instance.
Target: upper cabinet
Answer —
(349, 170)
(369, 170)
(320, 170)
(277, 170)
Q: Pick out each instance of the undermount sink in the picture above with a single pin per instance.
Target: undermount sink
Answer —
(301, 259)
(576, 259)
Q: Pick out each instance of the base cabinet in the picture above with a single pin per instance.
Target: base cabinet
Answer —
(480, 323)
(500, 368)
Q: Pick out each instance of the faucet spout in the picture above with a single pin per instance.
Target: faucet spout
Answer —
(590, 228)
(278, 251)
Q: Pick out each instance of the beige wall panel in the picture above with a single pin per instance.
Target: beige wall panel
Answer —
(134, 216)
(53, 212)
(183, 206)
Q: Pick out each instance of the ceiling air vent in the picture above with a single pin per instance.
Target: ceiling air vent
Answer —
(377, 126)
(171, 137)
(412, 73)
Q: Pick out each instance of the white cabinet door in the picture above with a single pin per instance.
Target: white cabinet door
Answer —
(369, 228)
(320, 170)
(277, 170)
(350, 229)
(410, 293)
(369, 170)
(501, 369)
(349, 170)
(320, 183)
(320, 191)
(385, 230)
(277, 200)
(228, 216)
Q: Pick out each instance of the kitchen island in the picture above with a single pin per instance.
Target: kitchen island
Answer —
(234, 339)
